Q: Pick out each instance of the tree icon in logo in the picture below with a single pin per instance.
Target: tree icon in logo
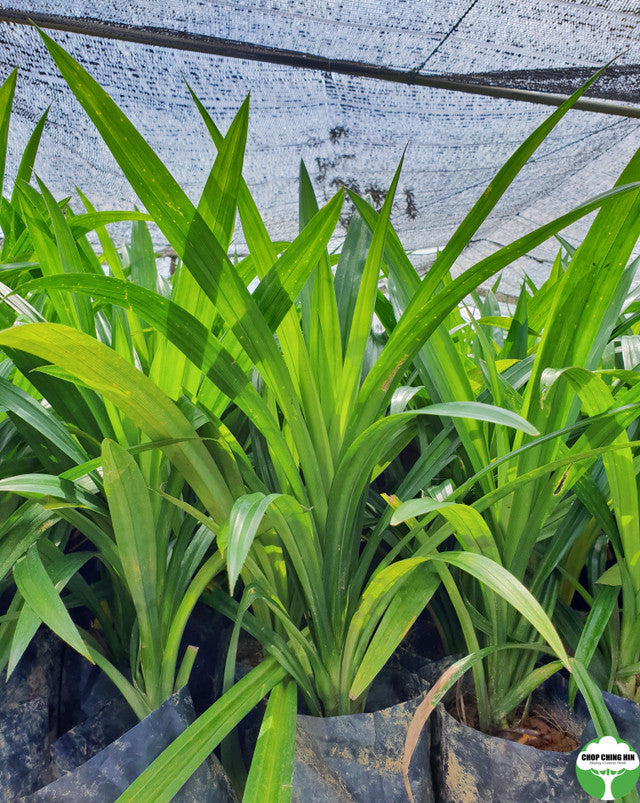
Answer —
(608, 762)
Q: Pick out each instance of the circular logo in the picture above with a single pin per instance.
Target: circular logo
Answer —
(607, 769)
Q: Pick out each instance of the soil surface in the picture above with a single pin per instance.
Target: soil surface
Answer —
(535, 728)
(538, 730)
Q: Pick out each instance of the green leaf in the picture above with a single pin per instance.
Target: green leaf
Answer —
(363, 311)
(408, 602)
(44, 485)
(37, 416)
(40, 595)
(597, 621)
(583, 312)
(504, 584)
(198, 515)
(92, 220)
(597, 398)
(219, 196)
(189, 335)
(349, 271)
(67, 259)
(142, 259)
(35, 213)
(7, 91)
(272, 642)
(426, 311)
(515, 345)
(61, 570)
(135, 395)
(25, 169)
(19, 305)
(174, 766)
(244, 520)
(372, 604)
(20, 530)
(272, 764)
(401, 398)
(383, 440)
(516, 694)
(600, 715)
(611, 577)
(185, 228)
(186, 666)
(469, 527)
(284, 278)
(184, 607)
(320, 313)
(135, 534)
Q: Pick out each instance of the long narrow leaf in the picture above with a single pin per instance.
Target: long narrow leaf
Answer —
(175, 765)
(272, 764)
(101, 369)
(40, 594)
(135, 535)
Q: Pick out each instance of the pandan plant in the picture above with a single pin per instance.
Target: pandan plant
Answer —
(601, 563)
(144, 568)
(599, 569)
(539, 494)
(287, 502)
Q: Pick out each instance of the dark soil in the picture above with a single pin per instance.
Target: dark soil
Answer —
(250, 650)
(423, 638)
(538, 730)
(535, 728)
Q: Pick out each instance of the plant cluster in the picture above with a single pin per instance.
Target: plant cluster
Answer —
(317, 460)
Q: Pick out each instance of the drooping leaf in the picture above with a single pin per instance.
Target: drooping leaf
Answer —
(41, 596)
(244, 520)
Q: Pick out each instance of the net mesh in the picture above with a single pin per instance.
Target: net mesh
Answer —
(349, 130)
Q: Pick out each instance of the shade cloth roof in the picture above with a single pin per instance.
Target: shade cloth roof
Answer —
(298, 58)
